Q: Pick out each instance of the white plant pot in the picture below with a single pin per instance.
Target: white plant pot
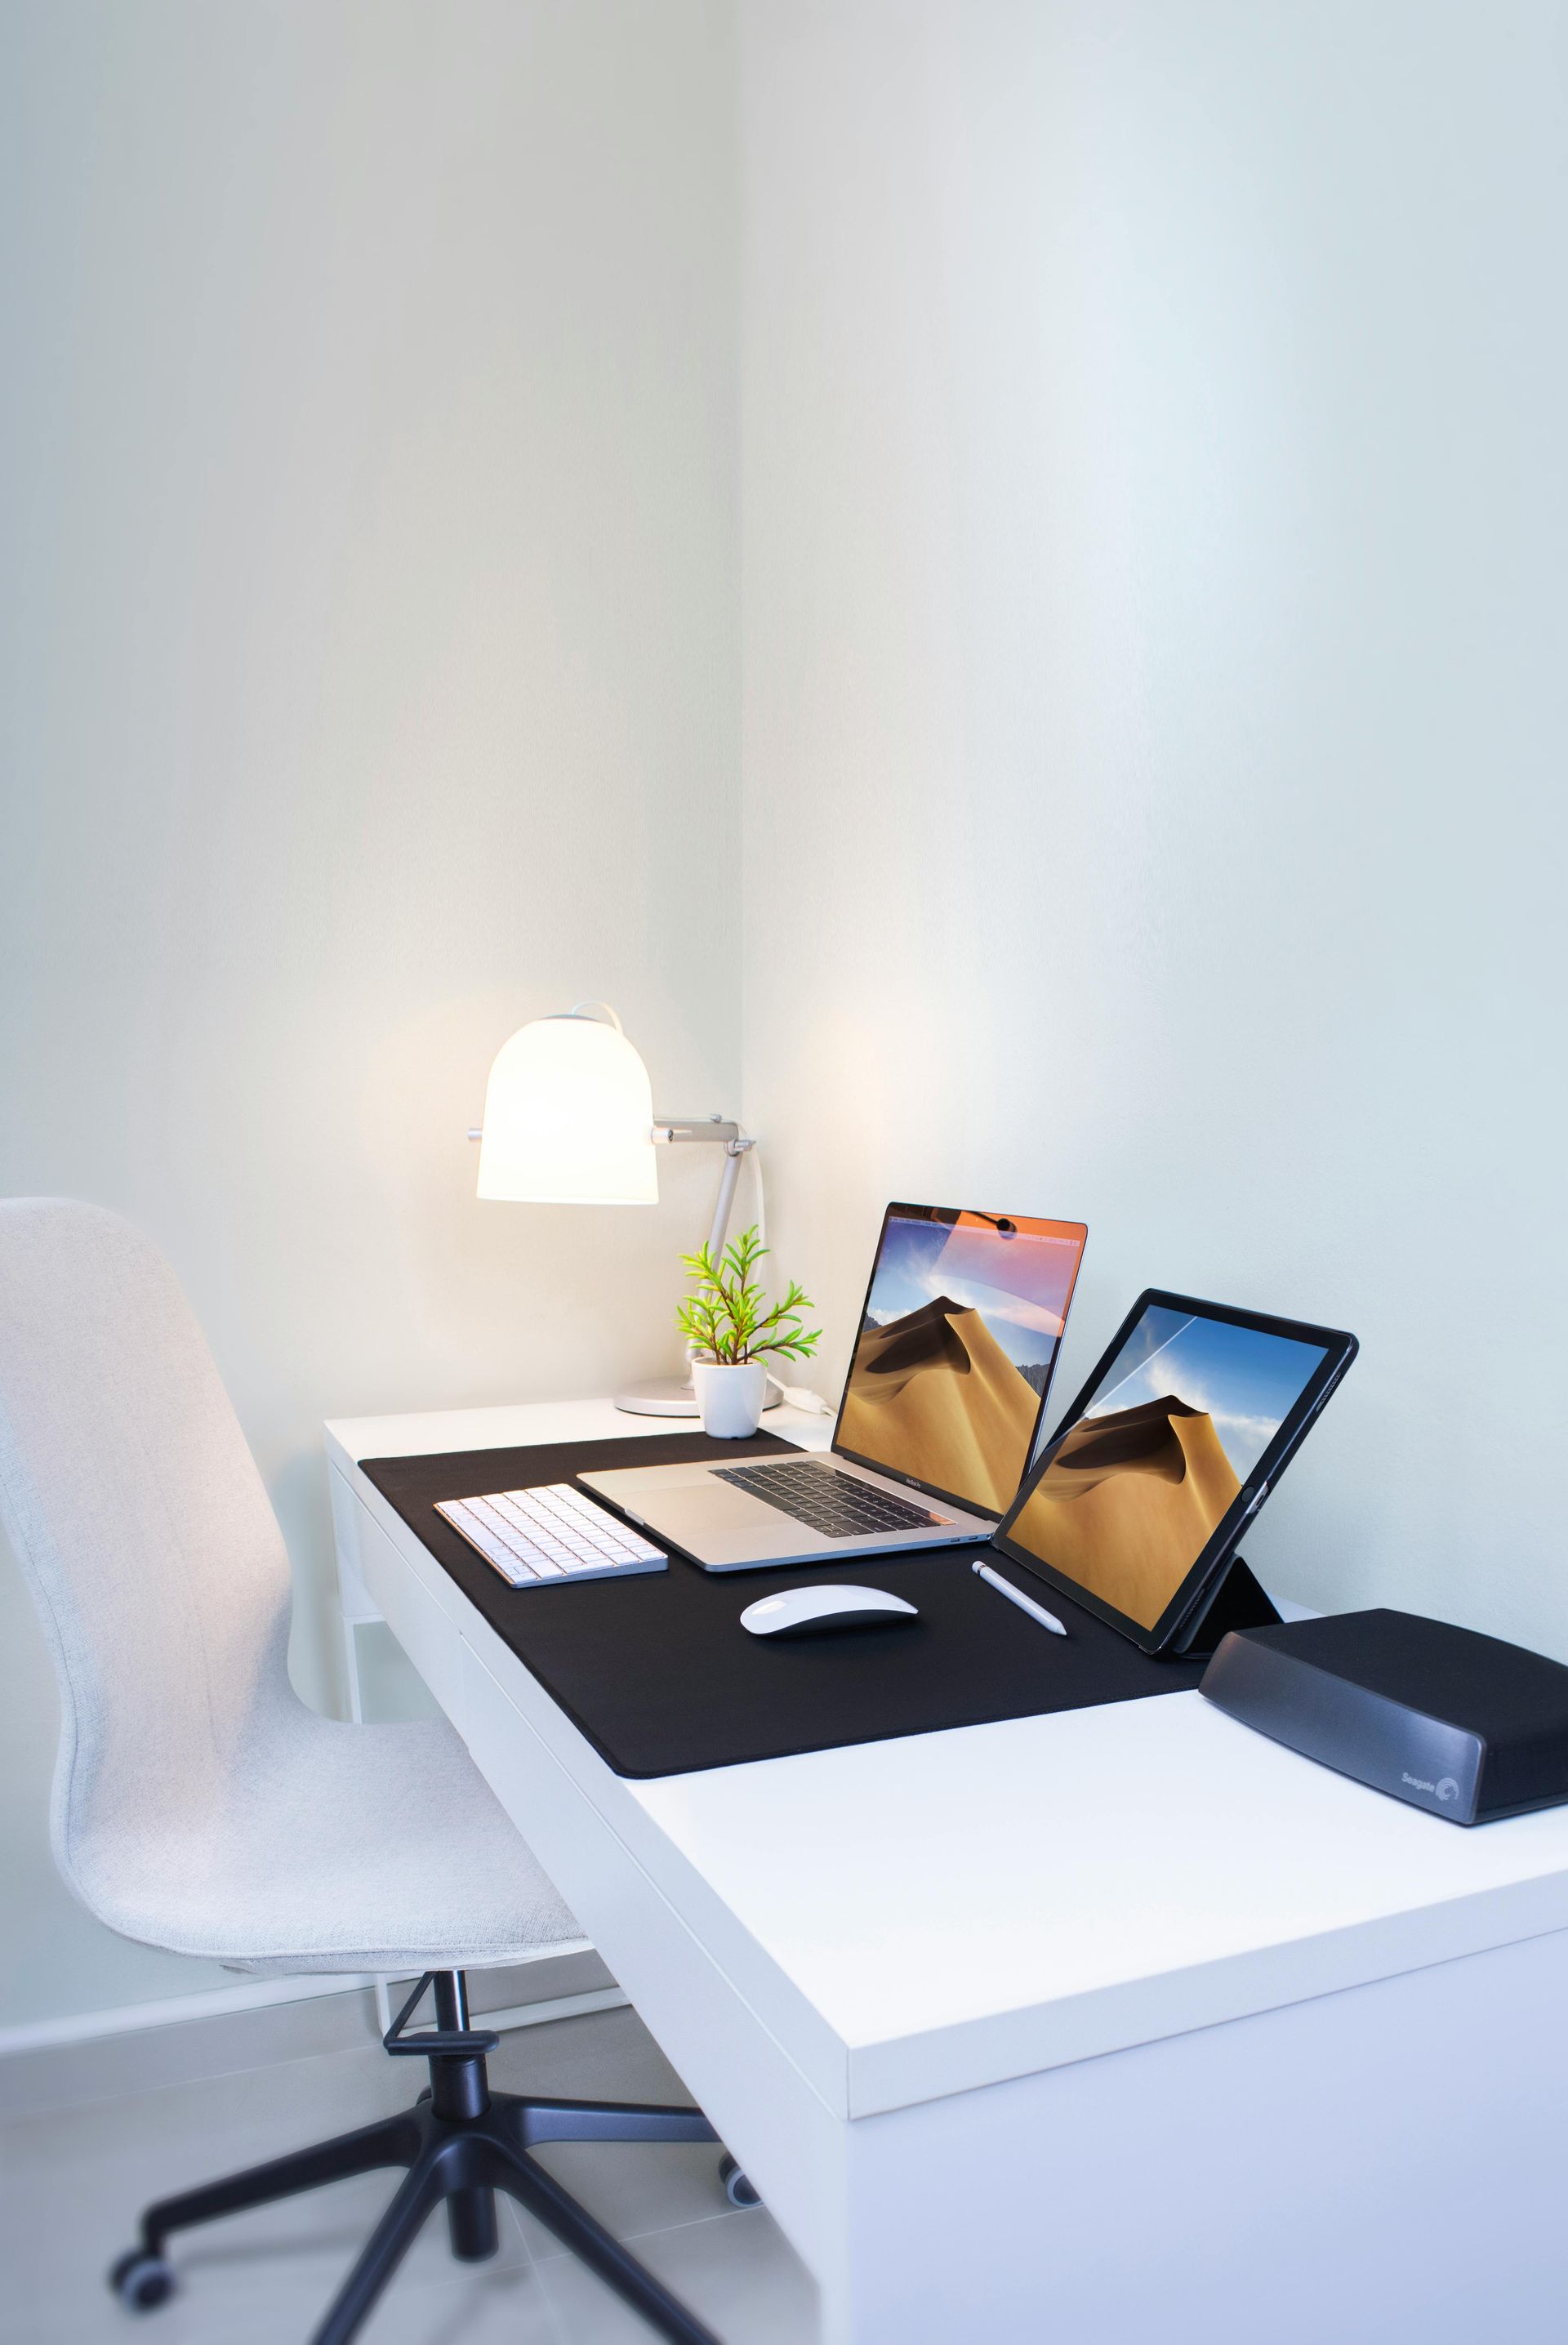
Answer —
(730, 1399)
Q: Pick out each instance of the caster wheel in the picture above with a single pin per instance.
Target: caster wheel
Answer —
(738, 2189)
(141, 2280)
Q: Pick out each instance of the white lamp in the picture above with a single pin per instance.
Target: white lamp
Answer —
(569, 1118)
(568, 1121)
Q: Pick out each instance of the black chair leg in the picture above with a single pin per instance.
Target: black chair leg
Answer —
(472, 2225)
(572, 2225)
(388, 2243)
(394, 2142)
(540, 2121)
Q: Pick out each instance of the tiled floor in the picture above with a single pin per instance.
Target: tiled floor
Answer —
(74, 2179)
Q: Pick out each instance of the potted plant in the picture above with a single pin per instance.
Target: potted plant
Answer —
(730, 1329)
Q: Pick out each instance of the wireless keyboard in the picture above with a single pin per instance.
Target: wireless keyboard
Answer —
(533, 1537)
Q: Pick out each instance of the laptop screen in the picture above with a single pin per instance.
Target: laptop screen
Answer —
(957, 1346)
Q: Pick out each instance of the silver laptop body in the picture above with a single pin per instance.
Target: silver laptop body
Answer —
(725, 1527)
(937, 1423)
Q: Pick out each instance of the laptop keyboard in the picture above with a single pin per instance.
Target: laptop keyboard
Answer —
(837, 1504)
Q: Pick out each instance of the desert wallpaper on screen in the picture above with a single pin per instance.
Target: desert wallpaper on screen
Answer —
(1129, 1502)
(1137, 1488)
(934, 1395)
(960, 1332)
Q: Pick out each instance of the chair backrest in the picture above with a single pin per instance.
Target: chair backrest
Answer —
(140, 1524)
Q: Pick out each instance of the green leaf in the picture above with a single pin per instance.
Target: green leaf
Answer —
(728, 1314)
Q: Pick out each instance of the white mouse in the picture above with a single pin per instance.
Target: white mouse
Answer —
(802, 1611)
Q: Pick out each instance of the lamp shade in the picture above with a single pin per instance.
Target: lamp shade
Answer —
(568, 1118)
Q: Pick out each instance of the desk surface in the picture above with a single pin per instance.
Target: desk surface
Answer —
(940, 1911)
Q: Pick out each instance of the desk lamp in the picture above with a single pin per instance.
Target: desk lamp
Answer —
(568, 1121)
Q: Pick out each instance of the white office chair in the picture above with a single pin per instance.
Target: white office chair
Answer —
(200, 1806)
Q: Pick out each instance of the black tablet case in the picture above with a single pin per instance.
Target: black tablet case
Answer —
(658, 1675)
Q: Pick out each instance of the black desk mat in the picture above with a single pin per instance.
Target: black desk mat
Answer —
(660, 1676)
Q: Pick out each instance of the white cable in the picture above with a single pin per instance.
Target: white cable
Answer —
(762, 1200)
(801, 1397)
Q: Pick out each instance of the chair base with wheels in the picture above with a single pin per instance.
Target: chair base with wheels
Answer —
(461, 2143)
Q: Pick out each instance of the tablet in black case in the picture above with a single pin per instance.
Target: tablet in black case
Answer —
(1137, 1504)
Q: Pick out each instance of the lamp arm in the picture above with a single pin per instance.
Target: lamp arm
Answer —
(733, 1153)
(670, 1130)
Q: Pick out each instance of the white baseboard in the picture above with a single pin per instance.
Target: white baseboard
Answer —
(100, 2055)
(256, 1994)
(128, 2019)
(554, 2007)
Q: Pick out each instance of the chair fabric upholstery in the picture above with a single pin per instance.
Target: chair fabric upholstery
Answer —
(199, 1804)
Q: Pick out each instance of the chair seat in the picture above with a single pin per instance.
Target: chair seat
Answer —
(342, 1848)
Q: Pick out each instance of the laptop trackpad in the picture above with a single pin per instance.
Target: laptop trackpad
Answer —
(717, 1508)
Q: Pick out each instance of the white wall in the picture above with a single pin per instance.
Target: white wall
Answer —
(1153, 507)
(1154, 512)
(367, 686)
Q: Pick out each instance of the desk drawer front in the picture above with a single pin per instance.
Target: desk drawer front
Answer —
(429, 1638)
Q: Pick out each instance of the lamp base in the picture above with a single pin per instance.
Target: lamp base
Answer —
(673, 1396)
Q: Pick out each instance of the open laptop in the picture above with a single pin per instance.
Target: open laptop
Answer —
(946, 1390)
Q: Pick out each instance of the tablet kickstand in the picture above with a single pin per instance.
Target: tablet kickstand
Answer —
(1236, 1602)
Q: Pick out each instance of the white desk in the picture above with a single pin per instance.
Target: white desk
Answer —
(1112, 2026)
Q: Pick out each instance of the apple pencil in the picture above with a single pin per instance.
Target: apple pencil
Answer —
(1016, 1596)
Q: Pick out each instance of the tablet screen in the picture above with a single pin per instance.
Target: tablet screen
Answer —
(1136, 1486)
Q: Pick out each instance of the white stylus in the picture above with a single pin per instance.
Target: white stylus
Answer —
(1016, 1596)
